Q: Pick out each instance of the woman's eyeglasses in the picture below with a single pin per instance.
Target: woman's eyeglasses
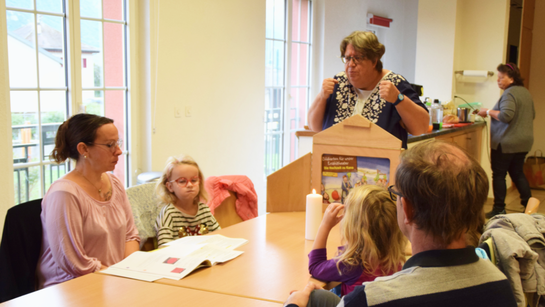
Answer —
(113, 146)
(183, 182)
(393, 193)
(357, 59)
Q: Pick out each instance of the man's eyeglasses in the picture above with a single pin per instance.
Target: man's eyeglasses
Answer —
(357, 59)
(183, 182)
(393, 193)
(113, 146)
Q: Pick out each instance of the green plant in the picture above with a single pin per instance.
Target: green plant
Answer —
(53, 117)
(94, 108)
(97, 76)
(17, 119)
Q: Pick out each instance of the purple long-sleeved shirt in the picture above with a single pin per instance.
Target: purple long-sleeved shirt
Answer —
(326, 270)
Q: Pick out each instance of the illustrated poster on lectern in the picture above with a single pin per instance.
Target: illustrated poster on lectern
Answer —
(340, 174)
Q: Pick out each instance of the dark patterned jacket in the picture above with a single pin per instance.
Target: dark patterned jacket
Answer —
(340, 105)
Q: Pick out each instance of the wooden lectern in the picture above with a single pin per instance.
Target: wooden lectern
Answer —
(355, 139)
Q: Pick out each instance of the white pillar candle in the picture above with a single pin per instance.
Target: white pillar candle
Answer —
(313, 215)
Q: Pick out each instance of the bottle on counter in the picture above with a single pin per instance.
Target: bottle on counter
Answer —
(427, 103)
(436, 114)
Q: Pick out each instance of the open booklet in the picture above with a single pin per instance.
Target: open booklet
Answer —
(178, 258)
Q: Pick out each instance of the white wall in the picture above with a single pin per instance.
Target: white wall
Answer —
(210, 58)
(410, 32)
(435, 47)
(340, 19)
(318, 43)
(481, 42)
(400, 38)
(6, 152)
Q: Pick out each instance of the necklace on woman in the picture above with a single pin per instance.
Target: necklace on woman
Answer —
(101, 183)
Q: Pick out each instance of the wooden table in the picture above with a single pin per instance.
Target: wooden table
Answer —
(275, 260)
(105, 290)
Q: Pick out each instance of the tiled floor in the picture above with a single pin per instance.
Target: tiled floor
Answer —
(512, 201)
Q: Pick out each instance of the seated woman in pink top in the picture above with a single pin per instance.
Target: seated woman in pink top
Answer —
(86, 216)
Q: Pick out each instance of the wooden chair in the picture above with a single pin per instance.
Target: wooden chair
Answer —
(532, 206)
(226, 213)
(223, 198)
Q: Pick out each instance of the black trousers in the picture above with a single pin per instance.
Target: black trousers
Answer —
(502, 163)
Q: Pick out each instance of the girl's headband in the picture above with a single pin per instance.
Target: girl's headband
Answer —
(510, 66)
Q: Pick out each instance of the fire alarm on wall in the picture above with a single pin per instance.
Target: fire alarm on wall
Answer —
(378, 21)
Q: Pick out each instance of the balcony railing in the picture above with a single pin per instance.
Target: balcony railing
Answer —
(33, 173)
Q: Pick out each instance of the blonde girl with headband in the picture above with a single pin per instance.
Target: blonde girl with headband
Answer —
(372, 246)
(181, 187)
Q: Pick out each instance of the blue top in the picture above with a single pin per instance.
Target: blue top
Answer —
(340, 105)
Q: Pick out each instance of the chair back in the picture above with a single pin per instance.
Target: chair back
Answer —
(226, 213)
(20, 250)
(144, 204)
(532, 206)
(232, 199)
(516, 241)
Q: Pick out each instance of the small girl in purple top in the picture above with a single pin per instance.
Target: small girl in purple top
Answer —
(372, 246)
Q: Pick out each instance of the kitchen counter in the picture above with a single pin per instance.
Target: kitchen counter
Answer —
(443, 132)
(467, 137)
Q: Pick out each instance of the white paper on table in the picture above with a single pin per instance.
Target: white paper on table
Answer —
(217, 240)
(155, 263)
(180, 250)
(215, 254)
(173, 262)
(207, 255)
(131, 274)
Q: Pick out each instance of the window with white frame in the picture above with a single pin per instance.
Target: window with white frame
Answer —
(287, 78)
(103, 25)
(48, 75)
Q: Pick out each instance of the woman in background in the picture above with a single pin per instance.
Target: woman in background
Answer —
(86, 216)
(511, 136)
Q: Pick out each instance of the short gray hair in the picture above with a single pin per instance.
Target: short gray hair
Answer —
(367, 44)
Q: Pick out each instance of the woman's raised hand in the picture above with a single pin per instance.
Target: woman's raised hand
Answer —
(317, 109)
(331, 215)
(327, 87)
(388, 91)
